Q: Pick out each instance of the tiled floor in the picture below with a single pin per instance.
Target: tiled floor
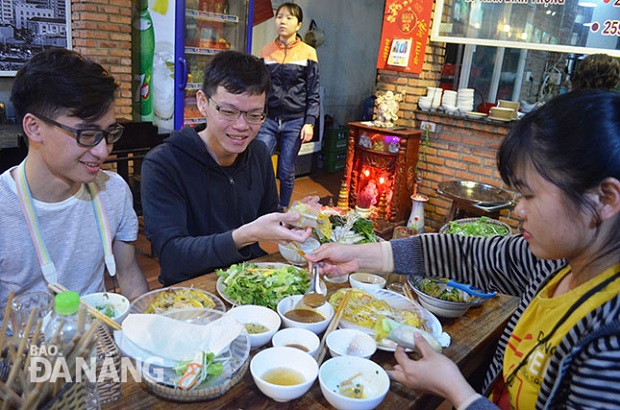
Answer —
(322, 184)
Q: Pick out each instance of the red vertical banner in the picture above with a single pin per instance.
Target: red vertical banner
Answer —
(263, 11)
(404, 35)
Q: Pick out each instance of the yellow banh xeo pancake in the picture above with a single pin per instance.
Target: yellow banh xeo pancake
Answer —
(364, 309)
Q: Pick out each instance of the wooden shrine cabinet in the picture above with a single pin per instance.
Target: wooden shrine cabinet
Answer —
(380, 166)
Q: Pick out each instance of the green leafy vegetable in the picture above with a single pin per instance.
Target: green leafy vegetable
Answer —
(106, 310)
(197, 371)
(250, 284)
(433, 289)
(351, 228)
(481, 227)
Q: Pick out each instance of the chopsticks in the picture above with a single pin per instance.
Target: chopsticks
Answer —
(332, 326)
(299, 250)
(408, 294)
(57, 288)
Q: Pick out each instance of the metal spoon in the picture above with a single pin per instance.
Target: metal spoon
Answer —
(314, 297)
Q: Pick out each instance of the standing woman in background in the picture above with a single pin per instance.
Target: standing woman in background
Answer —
(293, 105)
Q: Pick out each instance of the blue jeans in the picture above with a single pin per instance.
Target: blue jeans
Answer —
(287, 134)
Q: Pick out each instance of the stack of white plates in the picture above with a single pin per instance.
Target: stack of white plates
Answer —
(448, 102)
(435, 94)
(449, 98)
(465, 99)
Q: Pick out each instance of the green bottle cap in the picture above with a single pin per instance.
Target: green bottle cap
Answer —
(67, 302)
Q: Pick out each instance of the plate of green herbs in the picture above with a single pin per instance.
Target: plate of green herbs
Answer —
(483, 227)
(263, 284)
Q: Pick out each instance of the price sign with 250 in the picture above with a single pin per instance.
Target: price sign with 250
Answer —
(611, 28)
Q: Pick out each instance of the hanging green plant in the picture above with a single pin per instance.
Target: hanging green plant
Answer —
(419, 172)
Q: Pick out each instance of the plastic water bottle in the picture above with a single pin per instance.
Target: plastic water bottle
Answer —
(64, 320)
(62, 330)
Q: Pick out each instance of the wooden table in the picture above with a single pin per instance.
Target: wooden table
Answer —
(473, 342)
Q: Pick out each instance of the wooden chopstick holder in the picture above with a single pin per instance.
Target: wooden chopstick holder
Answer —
(57, 288)
(332, 326)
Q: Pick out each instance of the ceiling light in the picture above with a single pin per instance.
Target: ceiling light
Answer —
(586, 4)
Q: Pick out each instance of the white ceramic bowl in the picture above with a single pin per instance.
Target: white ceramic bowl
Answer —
(350, 342)
(287, 358)
(366, 281)
(114, 305)
(302, 339)
(289, 251)
(441, 307)
(373, 378)
(259, 315)
(290, 302)
(451, 109)
(425, 104)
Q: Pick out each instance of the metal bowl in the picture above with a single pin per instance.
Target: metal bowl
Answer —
(442, 307)
(444, 229)
(486, 197)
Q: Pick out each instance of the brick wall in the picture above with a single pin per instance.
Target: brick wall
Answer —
(459, 149)
(101, 30)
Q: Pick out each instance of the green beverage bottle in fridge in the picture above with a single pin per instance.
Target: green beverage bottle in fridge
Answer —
(145, 35)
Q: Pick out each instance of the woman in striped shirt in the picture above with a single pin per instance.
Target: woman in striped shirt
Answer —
(561, 348)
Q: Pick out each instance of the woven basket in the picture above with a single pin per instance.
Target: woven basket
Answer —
(170, 393)
(72, 396)
(109, 390)
(445, 227)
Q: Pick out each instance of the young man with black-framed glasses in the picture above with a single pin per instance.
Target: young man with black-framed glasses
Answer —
(209, 192)
(64, 220)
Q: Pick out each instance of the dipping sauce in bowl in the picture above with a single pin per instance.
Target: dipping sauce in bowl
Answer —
(298, 346)
(284, 377)
(304, 316)
(255, 328)
(302, 339)
(260, 322)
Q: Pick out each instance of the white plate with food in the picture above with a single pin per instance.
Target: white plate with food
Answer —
(365, 307)
(172, 298)
(263, 283)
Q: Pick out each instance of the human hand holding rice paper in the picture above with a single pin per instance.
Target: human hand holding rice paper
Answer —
(386, 328)
(310, 211)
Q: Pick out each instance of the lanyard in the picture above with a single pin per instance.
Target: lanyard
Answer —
(27, 204)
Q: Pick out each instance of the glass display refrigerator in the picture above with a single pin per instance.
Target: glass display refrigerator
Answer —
(173, 40)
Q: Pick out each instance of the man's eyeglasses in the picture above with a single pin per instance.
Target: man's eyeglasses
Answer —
(232, 114)
(89, 137)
